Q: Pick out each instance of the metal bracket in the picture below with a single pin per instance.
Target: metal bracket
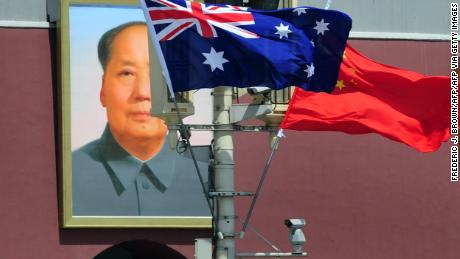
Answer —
(241, 112)
(272, 254)
(229, 194)
(225, 127)
(226, 235)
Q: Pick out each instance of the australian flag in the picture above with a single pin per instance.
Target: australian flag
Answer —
(209, 45)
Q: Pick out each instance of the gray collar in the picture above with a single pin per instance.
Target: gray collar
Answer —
(160, 168)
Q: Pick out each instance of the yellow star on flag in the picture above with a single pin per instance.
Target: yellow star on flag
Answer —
(340, 84)
(353, 81)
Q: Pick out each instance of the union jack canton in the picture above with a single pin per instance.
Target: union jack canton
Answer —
(210, 45)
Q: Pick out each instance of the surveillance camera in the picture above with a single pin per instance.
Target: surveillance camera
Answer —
(256, 90)
(294, 223)
(296, 236)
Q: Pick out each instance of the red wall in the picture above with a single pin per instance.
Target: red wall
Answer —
(363, 196)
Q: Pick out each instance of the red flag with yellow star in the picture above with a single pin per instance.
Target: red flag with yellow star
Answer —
(370, 97)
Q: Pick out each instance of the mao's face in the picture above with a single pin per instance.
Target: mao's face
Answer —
(125, 91)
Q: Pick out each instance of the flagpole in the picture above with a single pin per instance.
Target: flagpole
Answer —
(156, 43)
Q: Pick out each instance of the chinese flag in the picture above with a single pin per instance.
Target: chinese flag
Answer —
(370, 97)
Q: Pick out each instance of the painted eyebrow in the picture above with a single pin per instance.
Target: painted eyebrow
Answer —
(127, 63)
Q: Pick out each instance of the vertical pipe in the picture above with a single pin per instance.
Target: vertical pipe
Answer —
(224, 174)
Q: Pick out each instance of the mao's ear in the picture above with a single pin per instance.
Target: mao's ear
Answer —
(102, 92)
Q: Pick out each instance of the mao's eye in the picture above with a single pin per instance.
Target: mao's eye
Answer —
(126, 73)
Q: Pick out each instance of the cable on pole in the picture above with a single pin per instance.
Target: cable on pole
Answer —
(185, 136)
(279, 135)
(263, 238)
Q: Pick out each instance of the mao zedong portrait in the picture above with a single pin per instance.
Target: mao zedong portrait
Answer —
(130, 170)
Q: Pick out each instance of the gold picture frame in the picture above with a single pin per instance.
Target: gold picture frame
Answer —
(67, 44)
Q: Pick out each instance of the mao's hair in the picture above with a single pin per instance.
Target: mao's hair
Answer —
(104, 47)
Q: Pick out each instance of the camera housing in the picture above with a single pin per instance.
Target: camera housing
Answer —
(294, 223)
(255, 90)
(296, 236)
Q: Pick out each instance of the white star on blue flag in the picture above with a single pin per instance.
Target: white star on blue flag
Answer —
(300, 11)
(310, 70)
(282, 30)
(215, 59)
(321, 27)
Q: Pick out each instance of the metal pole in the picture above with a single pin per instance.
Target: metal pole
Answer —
(224, 174)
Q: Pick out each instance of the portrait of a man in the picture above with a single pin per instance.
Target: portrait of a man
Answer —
(130, 170)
